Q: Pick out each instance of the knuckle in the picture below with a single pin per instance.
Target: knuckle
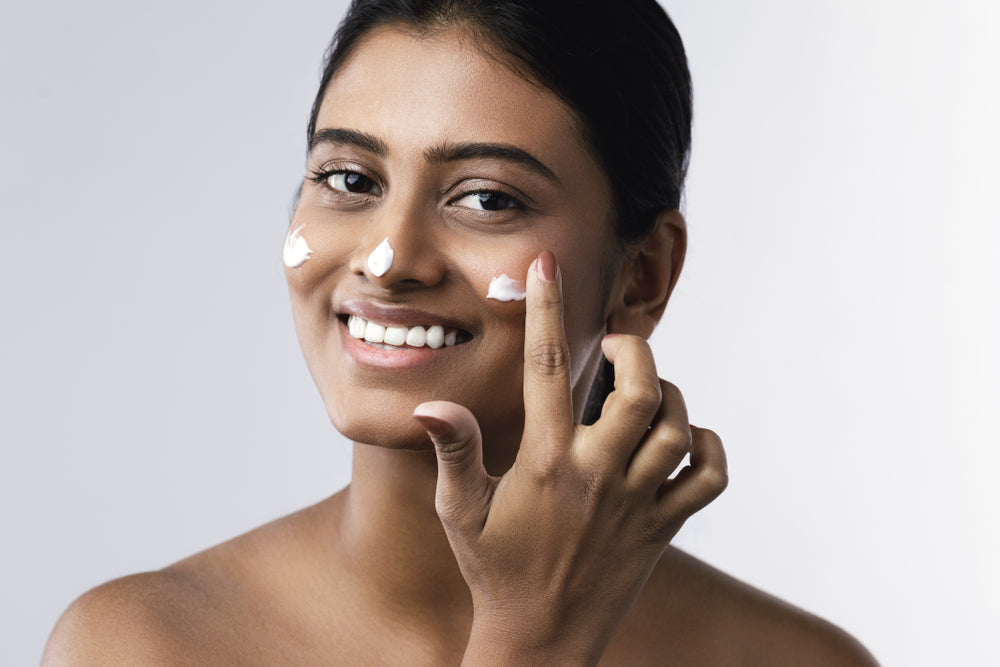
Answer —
(710, 435)
(672, 395)
(453, 450)
(676, 439)
(672, 453)
(670, 389)
(547, 467)
(641, 398)
(549, 297)
(548, 357)
(715, 480)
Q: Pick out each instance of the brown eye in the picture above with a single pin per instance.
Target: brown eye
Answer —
(352, 182)
(487, 201)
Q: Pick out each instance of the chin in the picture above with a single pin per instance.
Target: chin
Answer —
(390, 425)
(392, 428)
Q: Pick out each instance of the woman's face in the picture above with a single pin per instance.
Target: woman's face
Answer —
(469, 171)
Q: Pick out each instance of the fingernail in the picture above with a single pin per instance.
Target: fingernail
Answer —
(692, 426)
(433, 425)
(611, 335)
(546, 266)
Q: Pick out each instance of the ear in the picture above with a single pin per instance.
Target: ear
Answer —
(650, 271)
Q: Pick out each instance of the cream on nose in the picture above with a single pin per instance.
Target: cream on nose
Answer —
(380, 260)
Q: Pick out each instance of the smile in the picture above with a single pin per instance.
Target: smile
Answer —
(399, 337)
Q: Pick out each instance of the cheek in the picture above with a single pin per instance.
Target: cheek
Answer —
(485, 266)
(310, 283)
(585, 307)
(313, 250)
(583, 292)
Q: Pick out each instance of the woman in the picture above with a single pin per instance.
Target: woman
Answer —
(453, 145)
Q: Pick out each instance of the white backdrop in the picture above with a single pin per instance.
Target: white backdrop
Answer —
(836, 321)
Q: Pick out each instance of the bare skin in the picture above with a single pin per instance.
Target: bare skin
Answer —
(279, 596)
(485, 526)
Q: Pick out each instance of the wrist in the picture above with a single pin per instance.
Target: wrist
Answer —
(500, 640)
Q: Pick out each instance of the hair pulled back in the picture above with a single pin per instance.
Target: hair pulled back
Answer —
(620, 66)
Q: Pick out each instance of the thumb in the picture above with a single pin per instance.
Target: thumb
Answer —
(462, 486)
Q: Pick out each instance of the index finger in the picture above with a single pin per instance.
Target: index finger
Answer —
(548, 402)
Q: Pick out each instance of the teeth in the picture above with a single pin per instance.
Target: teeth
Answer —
(435, 337)
(416, 337)
(374, 333)
(356, 326)
(390, 337)
(395, 336)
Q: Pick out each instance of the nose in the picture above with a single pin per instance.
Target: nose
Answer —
(399, 248)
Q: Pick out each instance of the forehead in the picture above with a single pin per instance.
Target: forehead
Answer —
(414, 91)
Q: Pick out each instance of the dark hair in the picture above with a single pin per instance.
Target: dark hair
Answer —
(619, 66)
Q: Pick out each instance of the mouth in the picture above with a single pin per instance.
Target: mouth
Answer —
(399, 337)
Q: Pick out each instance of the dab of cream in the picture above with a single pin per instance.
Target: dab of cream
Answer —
(380, 260)
(505, 288)
(296, 250)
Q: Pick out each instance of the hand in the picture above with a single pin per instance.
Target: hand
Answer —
(556, 551)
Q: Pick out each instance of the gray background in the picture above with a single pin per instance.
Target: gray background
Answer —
(836, 323)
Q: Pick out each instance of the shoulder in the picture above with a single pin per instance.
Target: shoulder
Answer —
(139, 619)
(205, 609)
(725, 621)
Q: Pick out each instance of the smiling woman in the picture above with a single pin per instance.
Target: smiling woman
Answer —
(453, 142)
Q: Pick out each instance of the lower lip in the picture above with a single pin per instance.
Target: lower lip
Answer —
(404, 357)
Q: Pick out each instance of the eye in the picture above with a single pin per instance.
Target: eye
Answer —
(351, 182)
(487, 201)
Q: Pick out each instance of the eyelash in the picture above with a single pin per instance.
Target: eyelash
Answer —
(320, 177)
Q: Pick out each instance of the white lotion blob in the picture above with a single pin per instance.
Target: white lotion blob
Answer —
(296, 250)
(380, 260)
(505, 288)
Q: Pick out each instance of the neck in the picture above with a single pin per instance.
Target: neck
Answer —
(390, 534)
(393, 541)
(390, 537)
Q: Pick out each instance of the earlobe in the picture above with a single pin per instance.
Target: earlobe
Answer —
(650, 271)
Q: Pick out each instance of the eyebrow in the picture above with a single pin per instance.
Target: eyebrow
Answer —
(438, 154)
(504, 152)
(365, 142)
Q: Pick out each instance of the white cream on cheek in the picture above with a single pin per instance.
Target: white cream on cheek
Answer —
(380, 260)
(505, 288)
(296, 250)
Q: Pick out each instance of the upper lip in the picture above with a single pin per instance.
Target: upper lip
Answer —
(402, 316)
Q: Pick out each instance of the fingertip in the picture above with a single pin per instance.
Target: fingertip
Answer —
(546, 266)
(545, 271)
(442, 410)
(609, 344)
(532, 270)
(433, 425)
(428, 415)
(425, 409)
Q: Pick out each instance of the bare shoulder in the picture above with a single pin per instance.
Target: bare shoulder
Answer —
(197, 611)
(139, 619)
(715, 619)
